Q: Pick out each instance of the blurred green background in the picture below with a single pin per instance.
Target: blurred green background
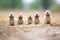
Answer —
(30, 4)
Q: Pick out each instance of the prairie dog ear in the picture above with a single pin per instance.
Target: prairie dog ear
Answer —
(11, 13)
(47, 11)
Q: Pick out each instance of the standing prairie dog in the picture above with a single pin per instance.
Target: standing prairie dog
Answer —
(20, 19)
(30, 19)
(36, 19)
(11, 19)
(47, 17)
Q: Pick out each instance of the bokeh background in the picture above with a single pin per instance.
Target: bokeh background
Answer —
(30, 4)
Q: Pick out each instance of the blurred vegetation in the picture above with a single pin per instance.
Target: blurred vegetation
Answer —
(55, 7)
(6, 4)
(38, 4)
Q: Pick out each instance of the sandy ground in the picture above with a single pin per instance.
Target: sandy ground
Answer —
(29, 32)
